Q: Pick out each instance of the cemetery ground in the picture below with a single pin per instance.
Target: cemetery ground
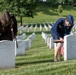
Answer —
(39, 61)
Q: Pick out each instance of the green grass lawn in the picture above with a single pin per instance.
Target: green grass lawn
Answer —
(39, 61)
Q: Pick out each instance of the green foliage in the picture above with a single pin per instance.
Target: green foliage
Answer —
(60, 9)
(19, 7)
(71, 0)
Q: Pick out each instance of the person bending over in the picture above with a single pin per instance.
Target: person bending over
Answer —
(59, 29)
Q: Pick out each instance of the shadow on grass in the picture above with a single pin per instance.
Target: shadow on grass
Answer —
(36, 47)
(34, 62)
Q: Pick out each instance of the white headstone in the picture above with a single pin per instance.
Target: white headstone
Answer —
(27, 44)
(40, 27)
(29, 29)
(20, 27)
(32, 36)
(21, 37)
(70, 47)
(21, 31)
(44, 36)
(7, 54)
(51, 43)
(49, 26)
(21, 47)
(46, 27)
(55, 45)
(48, 41)
(35, 28)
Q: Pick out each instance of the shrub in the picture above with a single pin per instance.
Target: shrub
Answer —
(60, 9)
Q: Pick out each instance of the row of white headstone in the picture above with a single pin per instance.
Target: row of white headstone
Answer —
(24, 44)
(8, 51)
(69, 45)
(48, 40)
(22, 29)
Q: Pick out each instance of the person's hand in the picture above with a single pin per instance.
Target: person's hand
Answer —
(61, 39)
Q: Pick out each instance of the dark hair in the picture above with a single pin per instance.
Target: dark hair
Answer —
(6, 16)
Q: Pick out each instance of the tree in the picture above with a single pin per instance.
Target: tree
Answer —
(60, 9)
(71, 2)
(51, 2)
(21, 8)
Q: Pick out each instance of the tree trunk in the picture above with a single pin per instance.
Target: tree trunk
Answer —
(21, 20)
(72, 3)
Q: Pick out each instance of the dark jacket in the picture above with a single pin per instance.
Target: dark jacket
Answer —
(59, 29)
(5, 32)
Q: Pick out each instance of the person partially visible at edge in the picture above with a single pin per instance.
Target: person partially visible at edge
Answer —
(59, 29)
(5, 32)
(5, 26)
